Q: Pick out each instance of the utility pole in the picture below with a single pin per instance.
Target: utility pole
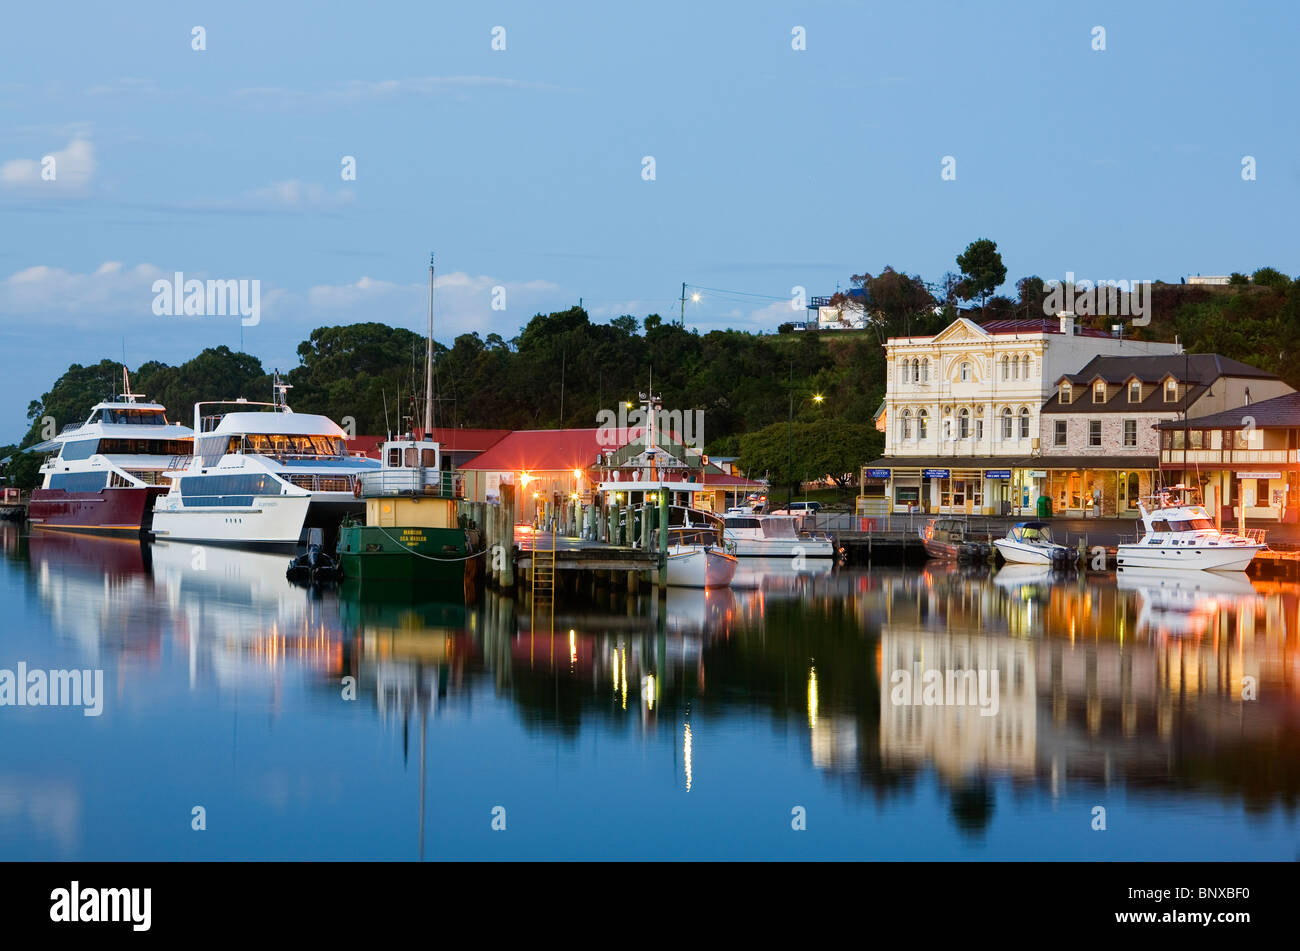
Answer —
(683, 320)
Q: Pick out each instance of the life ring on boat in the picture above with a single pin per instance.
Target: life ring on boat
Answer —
(356, 486)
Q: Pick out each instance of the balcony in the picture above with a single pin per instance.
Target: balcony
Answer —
(1228, 457)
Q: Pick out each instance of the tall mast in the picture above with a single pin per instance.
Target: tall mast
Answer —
(428, 363)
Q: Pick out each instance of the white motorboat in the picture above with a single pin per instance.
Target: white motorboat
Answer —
(261, 477)
(1030, 543)
(104, 475)
(1180, 535)
(774, 536)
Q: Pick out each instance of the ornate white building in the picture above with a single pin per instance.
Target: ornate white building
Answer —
(961, 411)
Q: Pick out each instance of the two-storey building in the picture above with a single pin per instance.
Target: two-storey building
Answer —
(962, 410)
(1100, 428)
(1245, 460)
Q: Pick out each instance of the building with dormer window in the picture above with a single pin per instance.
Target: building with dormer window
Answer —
(962, 408)
(1099, 427)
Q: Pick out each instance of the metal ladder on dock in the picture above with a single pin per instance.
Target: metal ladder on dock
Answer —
(542, 579)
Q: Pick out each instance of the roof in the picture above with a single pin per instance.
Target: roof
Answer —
(548, 450)
(1193, 367)
(1034, 325)
(1281, 412)
(1154, 402)
(288, 424)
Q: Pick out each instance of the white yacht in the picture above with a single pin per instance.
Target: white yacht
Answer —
(697, 550)
(261, 477)
(1181, 535)
(774, 536)
(104, 475)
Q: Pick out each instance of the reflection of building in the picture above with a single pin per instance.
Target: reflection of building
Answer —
(959, 738)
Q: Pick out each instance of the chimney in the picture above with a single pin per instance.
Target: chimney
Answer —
(1067, 323)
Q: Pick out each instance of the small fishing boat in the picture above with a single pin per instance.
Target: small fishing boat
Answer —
(1030, 543)
(1182, 535)
(412, 529)
(950, 539)
(697, 551)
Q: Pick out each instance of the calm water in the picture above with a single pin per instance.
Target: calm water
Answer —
(690, 728)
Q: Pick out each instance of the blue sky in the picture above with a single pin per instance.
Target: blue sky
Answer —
(522, 167)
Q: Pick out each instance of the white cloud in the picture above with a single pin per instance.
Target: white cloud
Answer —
(72, 169)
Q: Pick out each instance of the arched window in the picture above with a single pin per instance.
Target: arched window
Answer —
(1006, 367)
(925, 371)
(1024, 422)
(922, 427)
(1006, 422)
(907, 424)
(965, 372)
(916, 371)
(963, 424)
(1024, 365)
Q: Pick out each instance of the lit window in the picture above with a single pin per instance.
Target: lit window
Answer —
(1099, 392)
(1065, 394)
(922, 424)
(1135, 392)
(1171, 391)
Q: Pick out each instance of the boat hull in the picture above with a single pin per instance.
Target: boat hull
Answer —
(698, 566)
(116, 511)
(1184, 557)
(441, 556)
(268, 521)
(782, 547)
(1018, 554)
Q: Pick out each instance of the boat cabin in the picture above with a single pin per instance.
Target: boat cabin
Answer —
(411, 489)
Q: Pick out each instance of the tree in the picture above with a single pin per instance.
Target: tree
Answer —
(1032, 292)
(1237, 279)
(982, 270)
(1270, 277)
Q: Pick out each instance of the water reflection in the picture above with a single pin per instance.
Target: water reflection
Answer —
(1173, 688)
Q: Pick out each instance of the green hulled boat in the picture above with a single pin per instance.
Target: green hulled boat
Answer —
(412, 530)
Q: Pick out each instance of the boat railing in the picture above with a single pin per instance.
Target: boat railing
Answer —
(438, 483)
(1257, 535)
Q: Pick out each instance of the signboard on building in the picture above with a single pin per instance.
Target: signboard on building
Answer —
(1258, 475)
(936, 473)
(997, 473)
(876, 473)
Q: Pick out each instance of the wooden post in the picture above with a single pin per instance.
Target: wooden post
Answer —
(506, 535)
(663, 541)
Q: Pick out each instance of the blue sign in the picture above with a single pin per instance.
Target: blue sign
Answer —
(997, 473)
(936, 473)
(877, 473)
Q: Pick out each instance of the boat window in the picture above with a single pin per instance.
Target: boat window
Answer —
(395, 458)
(1190, 525)
(80, 449)
(79, 481)
(742, 523)
(427, 458)
(1159, 525)
(139, 417)
(412, 456)
(145, 447)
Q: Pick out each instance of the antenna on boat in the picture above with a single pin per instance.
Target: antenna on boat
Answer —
(280, 393)
(428, 363)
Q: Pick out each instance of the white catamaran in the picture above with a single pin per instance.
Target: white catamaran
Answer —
(259, 477)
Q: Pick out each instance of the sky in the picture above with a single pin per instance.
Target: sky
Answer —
(526, 168)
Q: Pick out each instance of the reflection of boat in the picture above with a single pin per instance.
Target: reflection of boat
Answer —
(774, 536)
(698, 611)
(1030, 543)
(104, 475)
(778, 574)
(1181, 536)
(261, 477)
(1183, 602)
(1015, 575)
(950, 539)
(100, 556)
